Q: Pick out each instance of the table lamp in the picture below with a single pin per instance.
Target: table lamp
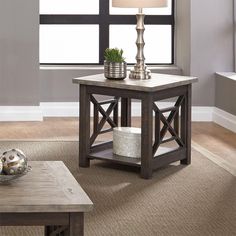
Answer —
(140, 70)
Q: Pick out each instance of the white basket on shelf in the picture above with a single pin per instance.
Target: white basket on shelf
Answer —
(127, 142)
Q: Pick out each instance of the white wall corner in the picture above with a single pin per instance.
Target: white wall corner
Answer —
(224, 119)
(20, 113)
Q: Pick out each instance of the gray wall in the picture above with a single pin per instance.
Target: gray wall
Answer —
(211, 45)
(183, 35)
(56, 85)
(19, 68)
(204, 45)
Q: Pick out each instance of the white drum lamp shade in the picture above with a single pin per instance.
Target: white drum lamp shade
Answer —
(139, 3)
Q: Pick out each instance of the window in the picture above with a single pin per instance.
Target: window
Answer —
(77, 32)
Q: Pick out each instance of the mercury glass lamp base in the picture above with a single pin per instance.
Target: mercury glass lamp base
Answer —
(140, 75)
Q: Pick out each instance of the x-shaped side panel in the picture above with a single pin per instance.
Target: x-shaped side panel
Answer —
(104, 113)
(167, 124)
(106, 118)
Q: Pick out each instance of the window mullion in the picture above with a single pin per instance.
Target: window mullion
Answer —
(103, 28)
(69, 19)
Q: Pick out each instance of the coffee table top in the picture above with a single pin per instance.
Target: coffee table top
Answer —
(48, 187)
(156, 83)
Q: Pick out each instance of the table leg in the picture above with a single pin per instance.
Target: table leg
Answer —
(75, 227)
(84, 127)
(125, 112)
(48, 230)
(186, 125)
(76, 224)
(146, 137)
(116, 113)
(56, 230)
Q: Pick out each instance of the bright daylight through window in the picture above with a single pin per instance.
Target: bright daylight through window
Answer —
(78, 32)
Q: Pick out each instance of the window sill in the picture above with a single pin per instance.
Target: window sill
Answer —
(227, 75)
(171, 69)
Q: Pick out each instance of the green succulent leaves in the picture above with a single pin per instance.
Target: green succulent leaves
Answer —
(114, 55)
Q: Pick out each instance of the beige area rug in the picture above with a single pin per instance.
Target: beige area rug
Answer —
(199, 199)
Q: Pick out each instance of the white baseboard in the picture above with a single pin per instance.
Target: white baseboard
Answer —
(60, 109)
(224, 119)
(71, 109)
(20, 113)
(202, 114)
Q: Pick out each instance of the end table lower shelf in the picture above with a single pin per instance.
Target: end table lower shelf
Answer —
(164, 156)
(108, 155)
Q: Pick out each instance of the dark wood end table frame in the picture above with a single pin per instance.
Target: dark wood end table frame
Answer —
(180, 113)
(65, 224)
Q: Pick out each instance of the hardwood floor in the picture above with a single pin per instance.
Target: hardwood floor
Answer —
(215, 139)
(208, 137)
(49, 129)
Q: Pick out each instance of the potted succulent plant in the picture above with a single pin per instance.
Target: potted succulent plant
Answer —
(115, 66)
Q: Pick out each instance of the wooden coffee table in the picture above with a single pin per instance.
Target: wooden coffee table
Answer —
(48, 195)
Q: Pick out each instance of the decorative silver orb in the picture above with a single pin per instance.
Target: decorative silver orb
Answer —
(1, 166)
(14, 162)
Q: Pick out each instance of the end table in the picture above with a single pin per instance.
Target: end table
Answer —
(159, 87)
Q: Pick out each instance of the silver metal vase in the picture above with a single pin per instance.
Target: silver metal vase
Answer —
(115, 70)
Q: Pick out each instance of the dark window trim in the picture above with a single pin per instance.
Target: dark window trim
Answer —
(104, 20)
